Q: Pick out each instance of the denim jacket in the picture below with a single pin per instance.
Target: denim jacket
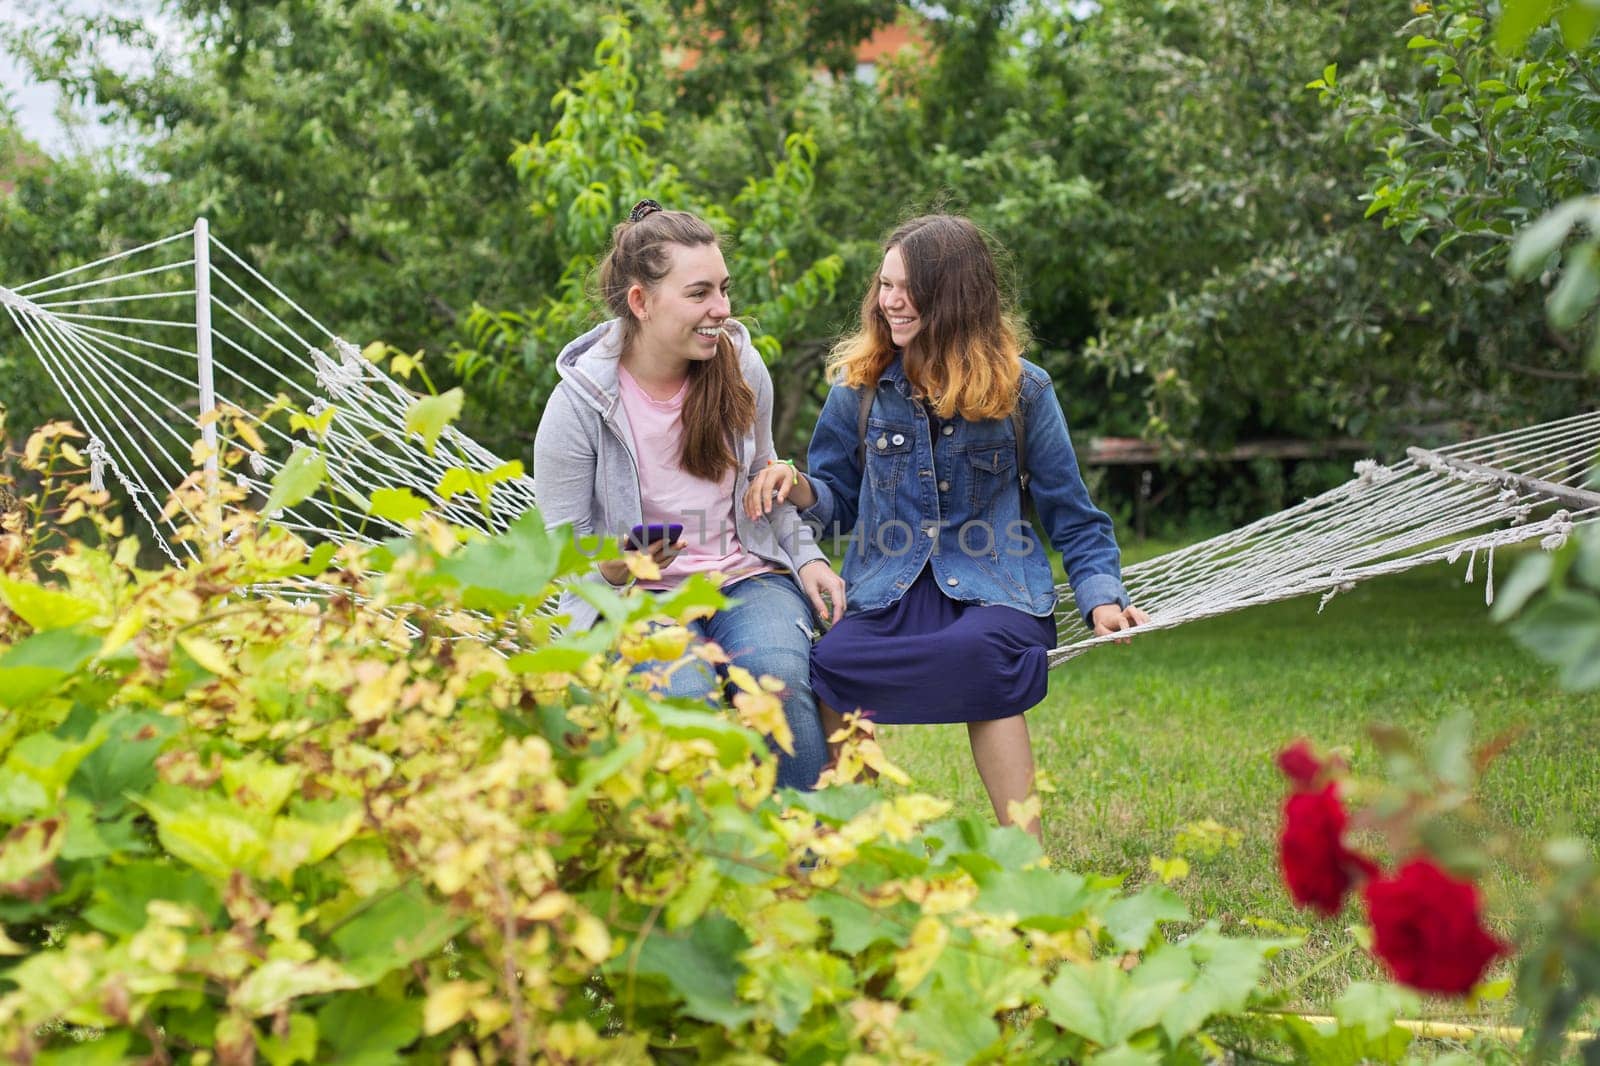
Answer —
(951, 497)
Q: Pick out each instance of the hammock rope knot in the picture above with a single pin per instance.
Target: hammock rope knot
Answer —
(18, 301)
(341, 379)
(350, 355)
(1371, 472)
(98, 459)
(1342, 586)
(1560, 525)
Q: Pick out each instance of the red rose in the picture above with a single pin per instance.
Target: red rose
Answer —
(1317, 867)
(1300, 765)
(1427, 928)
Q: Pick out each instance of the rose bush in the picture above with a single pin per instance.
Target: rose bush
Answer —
(1426, 925)
(1427, 917)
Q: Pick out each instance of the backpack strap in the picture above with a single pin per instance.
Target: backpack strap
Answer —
(861, 426)
(1019, 437)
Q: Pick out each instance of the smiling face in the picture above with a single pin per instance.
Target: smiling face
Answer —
(894, 299)
(681, 317)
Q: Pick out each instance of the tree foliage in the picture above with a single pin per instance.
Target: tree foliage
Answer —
(357, 152)
(1483, 144)
(601, 156)
(1178, 185)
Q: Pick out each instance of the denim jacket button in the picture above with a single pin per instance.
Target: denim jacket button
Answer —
(932, 531)
(883, 442)
(898, 439)
(944, 486)
(951, 581)
(947, 430)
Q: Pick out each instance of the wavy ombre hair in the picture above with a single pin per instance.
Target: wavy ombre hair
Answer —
(719, 402)
(967, 355)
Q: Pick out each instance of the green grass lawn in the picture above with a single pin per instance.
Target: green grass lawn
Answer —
(1183, 725)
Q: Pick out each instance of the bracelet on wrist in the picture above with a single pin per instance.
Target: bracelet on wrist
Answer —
(794, 472)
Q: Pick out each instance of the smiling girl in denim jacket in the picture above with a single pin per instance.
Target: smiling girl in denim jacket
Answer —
(951, 595)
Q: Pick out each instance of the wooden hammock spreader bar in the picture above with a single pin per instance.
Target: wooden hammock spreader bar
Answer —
(1578, 499)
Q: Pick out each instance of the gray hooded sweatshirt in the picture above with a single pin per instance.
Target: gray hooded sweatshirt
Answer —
(586, 475)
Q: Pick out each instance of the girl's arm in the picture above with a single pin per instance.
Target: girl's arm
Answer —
(784, 519)
(564, 465)
(834, 463)
(564, 474)
(1080, 531)
(760, 379)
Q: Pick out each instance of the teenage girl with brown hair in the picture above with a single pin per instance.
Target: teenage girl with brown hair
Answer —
(933, 431)
(662, 417)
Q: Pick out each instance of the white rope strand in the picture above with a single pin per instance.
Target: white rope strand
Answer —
(187, 234)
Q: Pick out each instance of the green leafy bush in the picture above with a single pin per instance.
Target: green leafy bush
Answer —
(412, 817)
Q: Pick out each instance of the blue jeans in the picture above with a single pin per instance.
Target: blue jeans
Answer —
(767, 630)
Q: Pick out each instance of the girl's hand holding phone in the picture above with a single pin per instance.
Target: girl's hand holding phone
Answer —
(661, 542)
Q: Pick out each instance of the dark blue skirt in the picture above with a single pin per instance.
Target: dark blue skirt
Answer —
(928, 659)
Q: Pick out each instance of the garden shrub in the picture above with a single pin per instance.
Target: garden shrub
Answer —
(411, 817)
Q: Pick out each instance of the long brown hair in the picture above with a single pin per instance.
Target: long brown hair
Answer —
(719, 402)
(967, 356)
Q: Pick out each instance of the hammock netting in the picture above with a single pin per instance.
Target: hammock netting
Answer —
(143, 343)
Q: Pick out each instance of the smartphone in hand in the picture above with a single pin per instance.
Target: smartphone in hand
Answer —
(641, 537)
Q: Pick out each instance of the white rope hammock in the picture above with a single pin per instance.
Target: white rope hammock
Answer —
(1467, 499)
(140, 354)
(143, 343)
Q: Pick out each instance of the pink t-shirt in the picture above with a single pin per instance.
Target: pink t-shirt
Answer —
(670, 494)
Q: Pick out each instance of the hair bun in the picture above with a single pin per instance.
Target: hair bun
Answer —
(643, 209)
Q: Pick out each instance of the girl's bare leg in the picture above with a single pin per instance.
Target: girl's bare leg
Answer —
(832, 722)
(1004, 755)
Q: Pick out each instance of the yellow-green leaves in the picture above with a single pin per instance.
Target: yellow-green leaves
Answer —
(365, 1027)
(316, 425)
(276, 982)
(34, 667)
(700, 966)
(397, 505)
(259, 784)
(122, 895)
(302, 474)
(219, 836)
(208, 832)
(428, 416)
(1577, 19)
(478, 482)
(48, 760)
(27, 849)
(1578, 288)
(412, 815)
(394, 930)
(208, 653)
(1106, 1005)
(513, 569)
(43, 607)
